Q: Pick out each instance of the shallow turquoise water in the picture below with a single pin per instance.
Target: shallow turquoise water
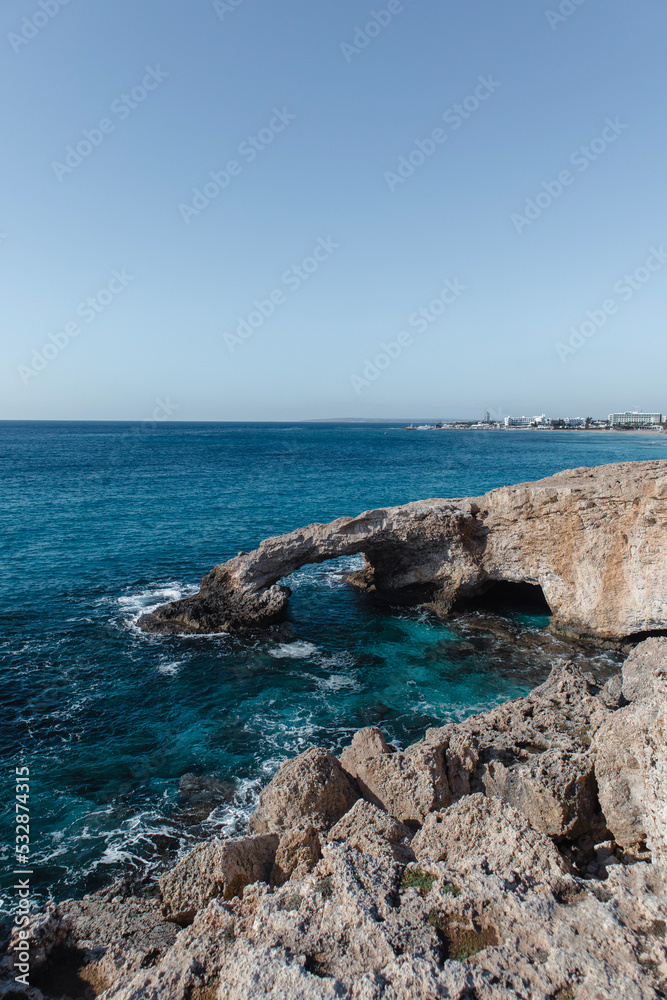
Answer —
(99, 522)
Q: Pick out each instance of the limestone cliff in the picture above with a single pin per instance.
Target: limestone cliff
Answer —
(593, 539)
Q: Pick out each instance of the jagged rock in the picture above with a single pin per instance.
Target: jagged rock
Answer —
(592, 539)
(428, 775)
(103, 919)
(369, 829)
(312, 788)
(612, 692)
(556, 791)
(366, 820)
(298, 852)
(631, 754)
(45, 932)
(644, 673)
(479, 831)
(216, 869)
(96, 940)
(408, 784)
(366, 743)
(533, 752)
(354, 929)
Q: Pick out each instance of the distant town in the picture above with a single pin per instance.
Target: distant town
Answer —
(627, 420)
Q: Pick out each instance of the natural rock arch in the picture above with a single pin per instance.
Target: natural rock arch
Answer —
(594, 540)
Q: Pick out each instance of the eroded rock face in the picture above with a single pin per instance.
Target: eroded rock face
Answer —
(555, 791)
(593, 539)
(216, 869)
(369, 829)
(631, 754)
(361, 928)
(366, 743)
(312, 788)
(644, 674)
(408, 784)
(298, 852)
(489, 834)
(99, 939)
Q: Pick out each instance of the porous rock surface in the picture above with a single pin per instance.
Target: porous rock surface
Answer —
(593, 539)
(219, 868)
(82, 946)
(495, 894)
(312, 787)
(631, 754)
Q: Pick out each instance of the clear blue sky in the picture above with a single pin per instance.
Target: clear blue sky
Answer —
(349, 107)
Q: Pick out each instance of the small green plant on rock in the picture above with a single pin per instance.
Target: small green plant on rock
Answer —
(564, 993)
(459, 941)
(418, 880)
(451, 890)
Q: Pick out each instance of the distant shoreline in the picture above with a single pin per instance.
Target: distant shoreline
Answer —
(550, 430)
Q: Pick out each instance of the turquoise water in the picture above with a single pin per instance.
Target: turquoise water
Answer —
(100, 522)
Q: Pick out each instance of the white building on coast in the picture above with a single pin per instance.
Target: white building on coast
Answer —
(634, 418)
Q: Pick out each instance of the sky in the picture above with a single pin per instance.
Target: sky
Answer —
(243, 210)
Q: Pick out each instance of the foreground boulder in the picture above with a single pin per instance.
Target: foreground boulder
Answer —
(408, 785)
(312, 788)
(488, 834)
(298, 852)
(371, 830)
(592, 539)
(216, 869)
(631, 754)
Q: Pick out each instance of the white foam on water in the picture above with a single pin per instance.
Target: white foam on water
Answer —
(155, 595)
(170, 669)
(338, 682)
(142, 602)
(330, 575)
(293, 650)
(231, 819)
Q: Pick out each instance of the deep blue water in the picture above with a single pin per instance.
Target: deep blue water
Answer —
(100, 521)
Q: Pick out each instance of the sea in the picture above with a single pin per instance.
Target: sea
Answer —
(138, 746)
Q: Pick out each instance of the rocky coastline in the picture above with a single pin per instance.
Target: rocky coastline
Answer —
(520, 853)
(592, 539)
